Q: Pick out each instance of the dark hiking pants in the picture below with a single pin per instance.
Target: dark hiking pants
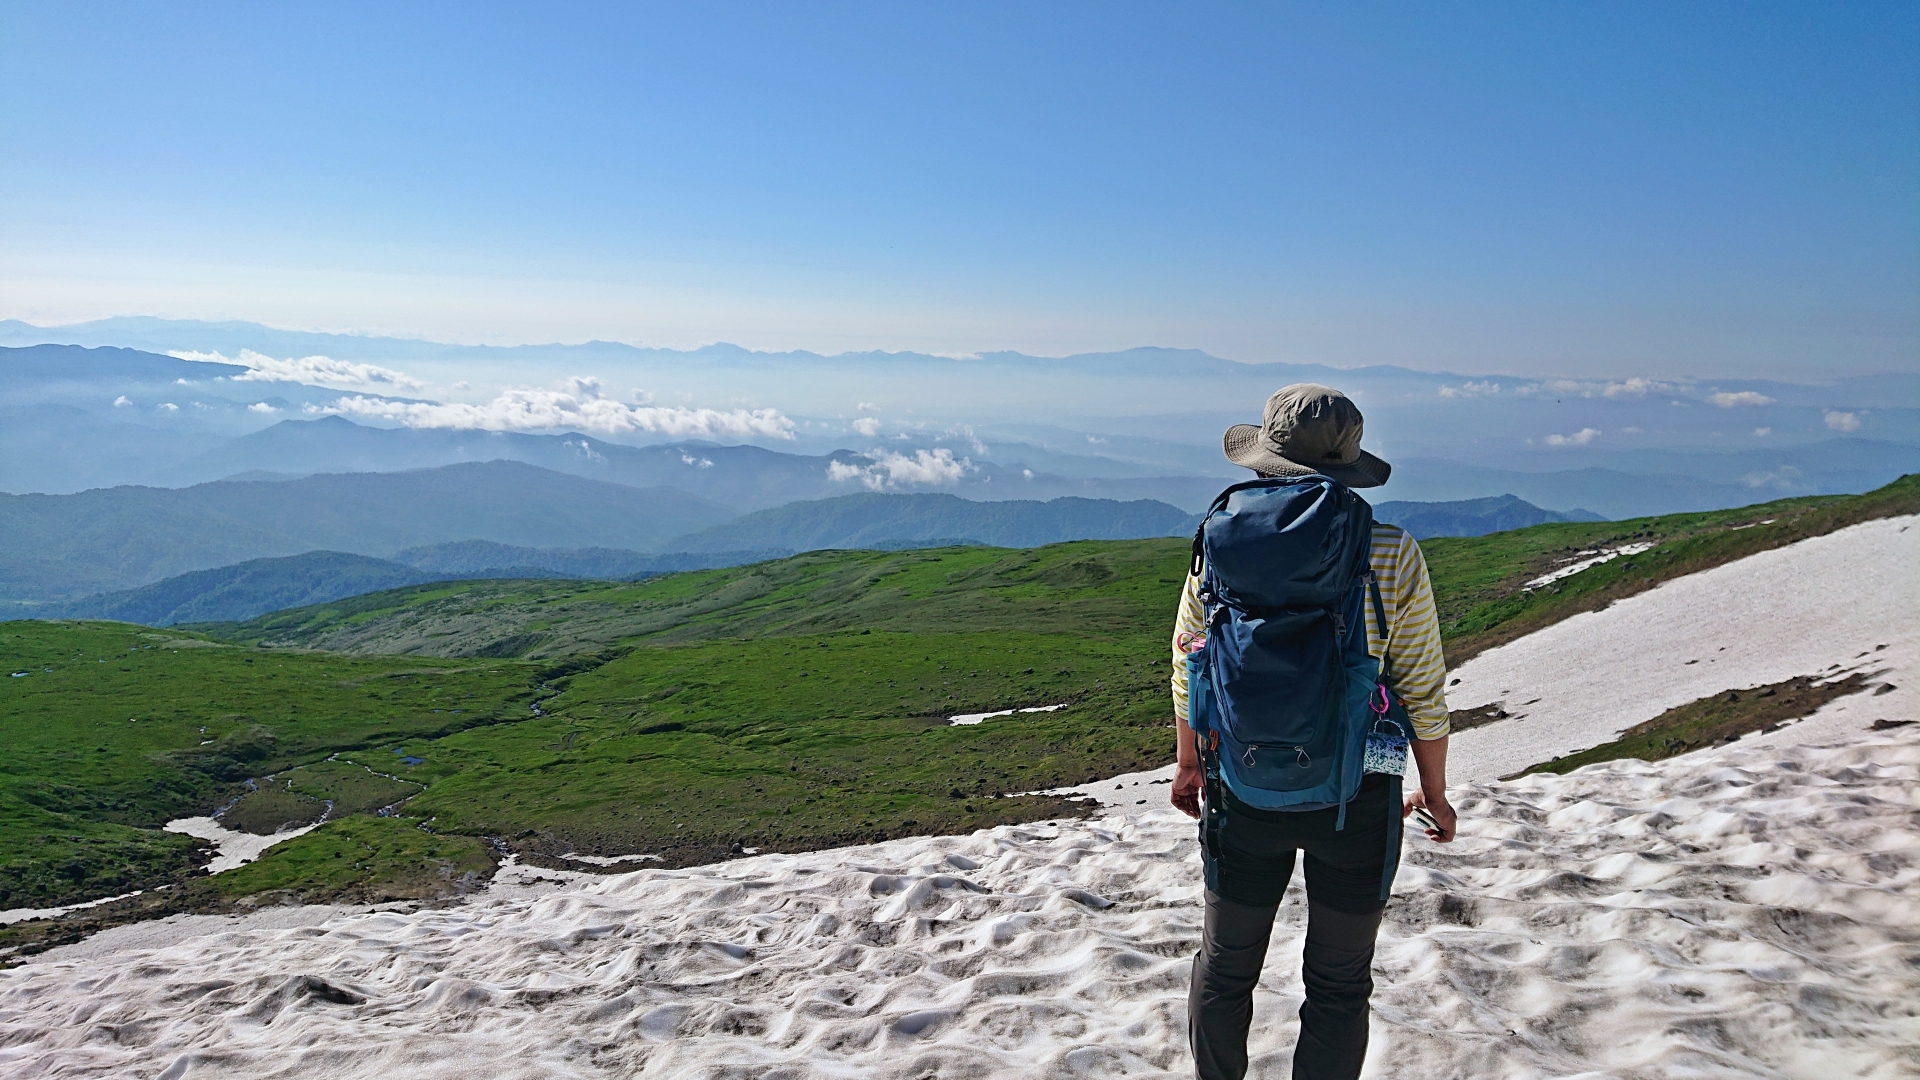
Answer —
(1249, 859)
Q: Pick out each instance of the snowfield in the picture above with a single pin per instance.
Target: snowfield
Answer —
(1745, 911)
(1848, 601)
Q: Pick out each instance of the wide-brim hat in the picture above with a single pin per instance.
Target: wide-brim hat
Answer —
(1308, 429)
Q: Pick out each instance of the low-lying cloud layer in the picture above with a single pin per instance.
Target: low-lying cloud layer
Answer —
(579, 408)
(890, 470)
(310, 371)
(1612, 390)
(1578, 438)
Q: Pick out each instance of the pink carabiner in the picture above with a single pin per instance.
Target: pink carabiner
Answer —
(1383, 703)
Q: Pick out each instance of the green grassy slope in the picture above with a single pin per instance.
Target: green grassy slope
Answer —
(672, 747)
(112, 730)
(1083, 587)
(1477, 581)
(804, 703)
(802, 742)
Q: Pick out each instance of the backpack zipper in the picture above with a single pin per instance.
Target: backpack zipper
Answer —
(1301, 759)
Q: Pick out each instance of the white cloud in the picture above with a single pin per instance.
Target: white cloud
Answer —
(584, 449)
(1471, 389)
(1631, 430)
(868, 426)
(891, 470)
(169, 406)
(1843, 421)
(580, 406)
(310, 370)
(1784, 478)
(866, 406)
(181, 382)
(696, 462)
(122, 401)
(461, 385)
(1762, 432)
(1625, 389)
(1028, 473)
(1728, 400)
(1578, 438)
(262, 407)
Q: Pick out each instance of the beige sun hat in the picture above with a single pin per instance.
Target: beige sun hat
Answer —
(1309, 429)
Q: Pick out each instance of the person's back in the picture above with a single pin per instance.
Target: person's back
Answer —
(1351, 849)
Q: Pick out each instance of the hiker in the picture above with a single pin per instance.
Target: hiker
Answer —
(1307, 657)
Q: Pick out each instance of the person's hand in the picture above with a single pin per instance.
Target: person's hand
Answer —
(1437, 808)
(1187, 781)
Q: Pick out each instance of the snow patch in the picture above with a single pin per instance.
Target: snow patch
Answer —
(1591, 558)
(235, 848)
(976, 717)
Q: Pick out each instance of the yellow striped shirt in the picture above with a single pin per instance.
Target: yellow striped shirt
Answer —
(1414, 666)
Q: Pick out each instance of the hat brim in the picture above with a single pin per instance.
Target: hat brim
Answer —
(1243, 447)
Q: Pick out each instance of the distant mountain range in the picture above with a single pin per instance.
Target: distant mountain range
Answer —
(745, 477)
(748, 477)
(240, 591)
(497, 518)
(1471, 517)
(300, 480)
(255, 587)
(1016, 426)
(1837, 466)
(483, 558)
(508, 518)
(66, 546)
(892, 521)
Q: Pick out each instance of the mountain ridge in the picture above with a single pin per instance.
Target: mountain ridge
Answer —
(70, 546)
(1471, 517)
(869, 518)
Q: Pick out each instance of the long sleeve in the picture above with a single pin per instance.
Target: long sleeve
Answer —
(1415, 668)
(1191, 619)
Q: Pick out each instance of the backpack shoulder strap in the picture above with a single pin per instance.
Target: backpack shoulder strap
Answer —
(1379, 609)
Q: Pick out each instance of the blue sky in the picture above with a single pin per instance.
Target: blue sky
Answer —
(1652, 189)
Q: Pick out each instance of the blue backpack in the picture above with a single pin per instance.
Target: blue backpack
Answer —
(1284, 683)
